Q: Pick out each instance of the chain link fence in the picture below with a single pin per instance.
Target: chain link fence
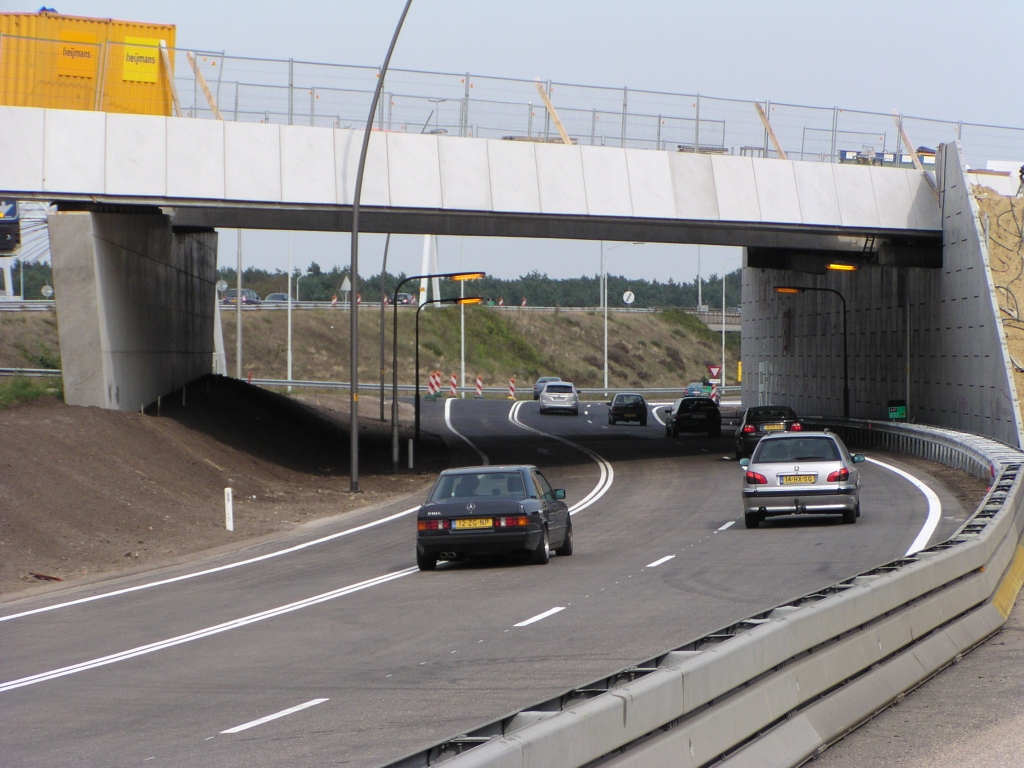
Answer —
(338, 96)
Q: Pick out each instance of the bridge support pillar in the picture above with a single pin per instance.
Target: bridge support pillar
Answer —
(135, 301)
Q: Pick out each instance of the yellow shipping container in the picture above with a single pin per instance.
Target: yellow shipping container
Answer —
(73, 62)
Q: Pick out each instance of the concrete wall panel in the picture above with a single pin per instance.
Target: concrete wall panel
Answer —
(893, 199)
(513, 167)
(776, 192)
(21, 148)
(74, 147)
(195, 159)
(252, 161)
(560, 179)
(922, 193)
(376, 187)
(856, 195)
(307, 165)
(414, 170)
(650, 184)
(465, 183)
(816, 189)
(136, 155)
(736, 188)
(607, 181)
(694, 187)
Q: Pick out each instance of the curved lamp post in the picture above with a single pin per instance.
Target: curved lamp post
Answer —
(790, 289)
(354, 266)
(462, 301)
(457, 276)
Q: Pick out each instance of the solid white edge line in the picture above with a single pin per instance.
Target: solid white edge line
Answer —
(606, 478)
(934, 506)
(275, 716)
(656, 411)
(539, 616)
(208, 571)
(727, 525)
(201, 633)
(658, 562)
(448, 421)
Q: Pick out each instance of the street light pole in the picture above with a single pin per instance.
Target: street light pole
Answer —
(354, 266)
(846, 371)
(724, 273)
(604, 296)
(289, 308)
(383, 315)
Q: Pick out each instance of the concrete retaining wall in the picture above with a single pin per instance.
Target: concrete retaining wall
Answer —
(135, 306)
(959, 369)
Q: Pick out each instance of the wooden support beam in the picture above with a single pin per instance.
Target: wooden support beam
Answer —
(170, 77)
(771, 131)
(913, 153)
(203, 86)
(554, 115)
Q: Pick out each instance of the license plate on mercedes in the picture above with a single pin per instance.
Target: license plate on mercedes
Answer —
(471, 522)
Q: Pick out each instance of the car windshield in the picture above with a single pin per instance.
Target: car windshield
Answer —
(479, 485)
(559, 388)
(622, 400)
(796, 449)
(771, 414)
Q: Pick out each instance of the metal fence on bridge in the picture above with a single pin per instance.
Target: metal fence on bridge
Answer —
(464, 104)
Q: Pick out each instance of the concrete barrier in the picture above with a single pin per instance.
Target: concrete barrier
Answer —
(778, 687)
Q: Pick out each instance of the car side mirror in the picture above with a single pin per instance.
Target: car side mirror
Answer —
(559, 494)
(744, 463)
(858, 458)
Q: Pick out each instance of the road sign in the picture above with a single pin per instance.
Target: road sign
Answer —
(346, 285)
(8, 209)
(714, 370)
(714, 381)
(628, 297)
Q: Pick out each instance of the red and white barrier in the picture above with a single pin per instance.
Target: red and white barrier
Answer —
(512, 388)
(453, 390)
(479, 386)
(434, 384)
(501, 301)
(523, 302)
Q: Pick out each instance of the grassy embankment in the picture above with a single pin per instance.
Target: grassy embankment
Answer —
(661, 349)
(28, 340)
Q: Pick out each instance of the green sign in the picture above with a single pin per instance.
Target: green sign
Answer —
(897, 412)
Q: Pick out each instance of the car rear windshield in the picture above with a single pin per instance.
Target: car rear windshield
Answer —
(770, 414)
(560, 388)
(628, 400)
(796, 449)
(702, 404)
(479, 485)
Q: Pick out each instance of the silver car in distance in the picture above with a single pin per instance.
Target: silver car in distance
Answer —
(802, 473)
(559, 396)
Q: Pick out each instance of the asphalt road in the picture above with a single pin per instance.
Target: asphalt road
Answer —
(386, 660)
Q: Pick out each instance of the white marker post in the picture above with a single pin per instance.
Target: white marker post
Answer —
(229, 510)
(411, 441)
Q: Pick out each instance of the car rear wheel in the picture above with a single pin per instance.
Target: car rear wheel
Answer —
(715, 432)
(858, 508)
(566, 549)
(849, 516)
(575, 411)
(751, 519)
(542, 553)
(425, 562)
(643, 422)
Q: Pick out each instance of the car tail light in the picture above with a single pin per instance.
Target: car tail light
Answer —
(796, 427)
(511, 522)
(756, 478)
(748, 429)
(839, 475)
(432, 525)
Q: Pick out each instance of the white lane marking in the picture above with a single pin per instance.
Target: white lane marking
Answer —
(448, 421)
(275, 716)
(727, 525)
(201, 633)
(656, 563)
(604, 482)
(539, 616)
(657, 415)
(934, 507)
(208, 571)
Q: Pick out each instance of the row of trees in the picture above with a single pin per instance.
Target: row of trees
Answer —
(537, 289)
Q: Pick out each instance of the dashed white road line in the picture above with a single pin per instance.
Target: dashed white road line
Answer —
(201, 633)
(656, 563)
(540, 616)
(470, 443)
(934, 507)
(604, 482)
(276, 715)
(727, 525)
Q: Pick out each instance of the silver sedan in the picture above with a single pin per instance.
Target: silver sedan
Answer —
(806, 473)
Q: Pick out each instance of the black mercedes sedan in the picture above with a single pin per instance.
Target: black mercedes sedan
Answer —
(761, 420)
(488, 511)
(693, 414)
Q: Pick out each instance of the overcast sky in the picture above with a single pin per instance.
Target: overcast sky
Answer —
(950, 59)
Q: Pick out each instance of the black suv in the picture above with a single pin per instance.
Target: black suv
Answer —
(761, 420)
(693, 414)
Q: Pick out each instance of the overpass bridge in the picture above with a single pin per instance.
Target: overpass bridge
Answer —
(138, 197)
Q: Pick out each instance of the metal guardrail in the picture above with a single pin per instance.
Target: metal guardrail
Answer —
(30, 305)
(31, 373)
(778, 687)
